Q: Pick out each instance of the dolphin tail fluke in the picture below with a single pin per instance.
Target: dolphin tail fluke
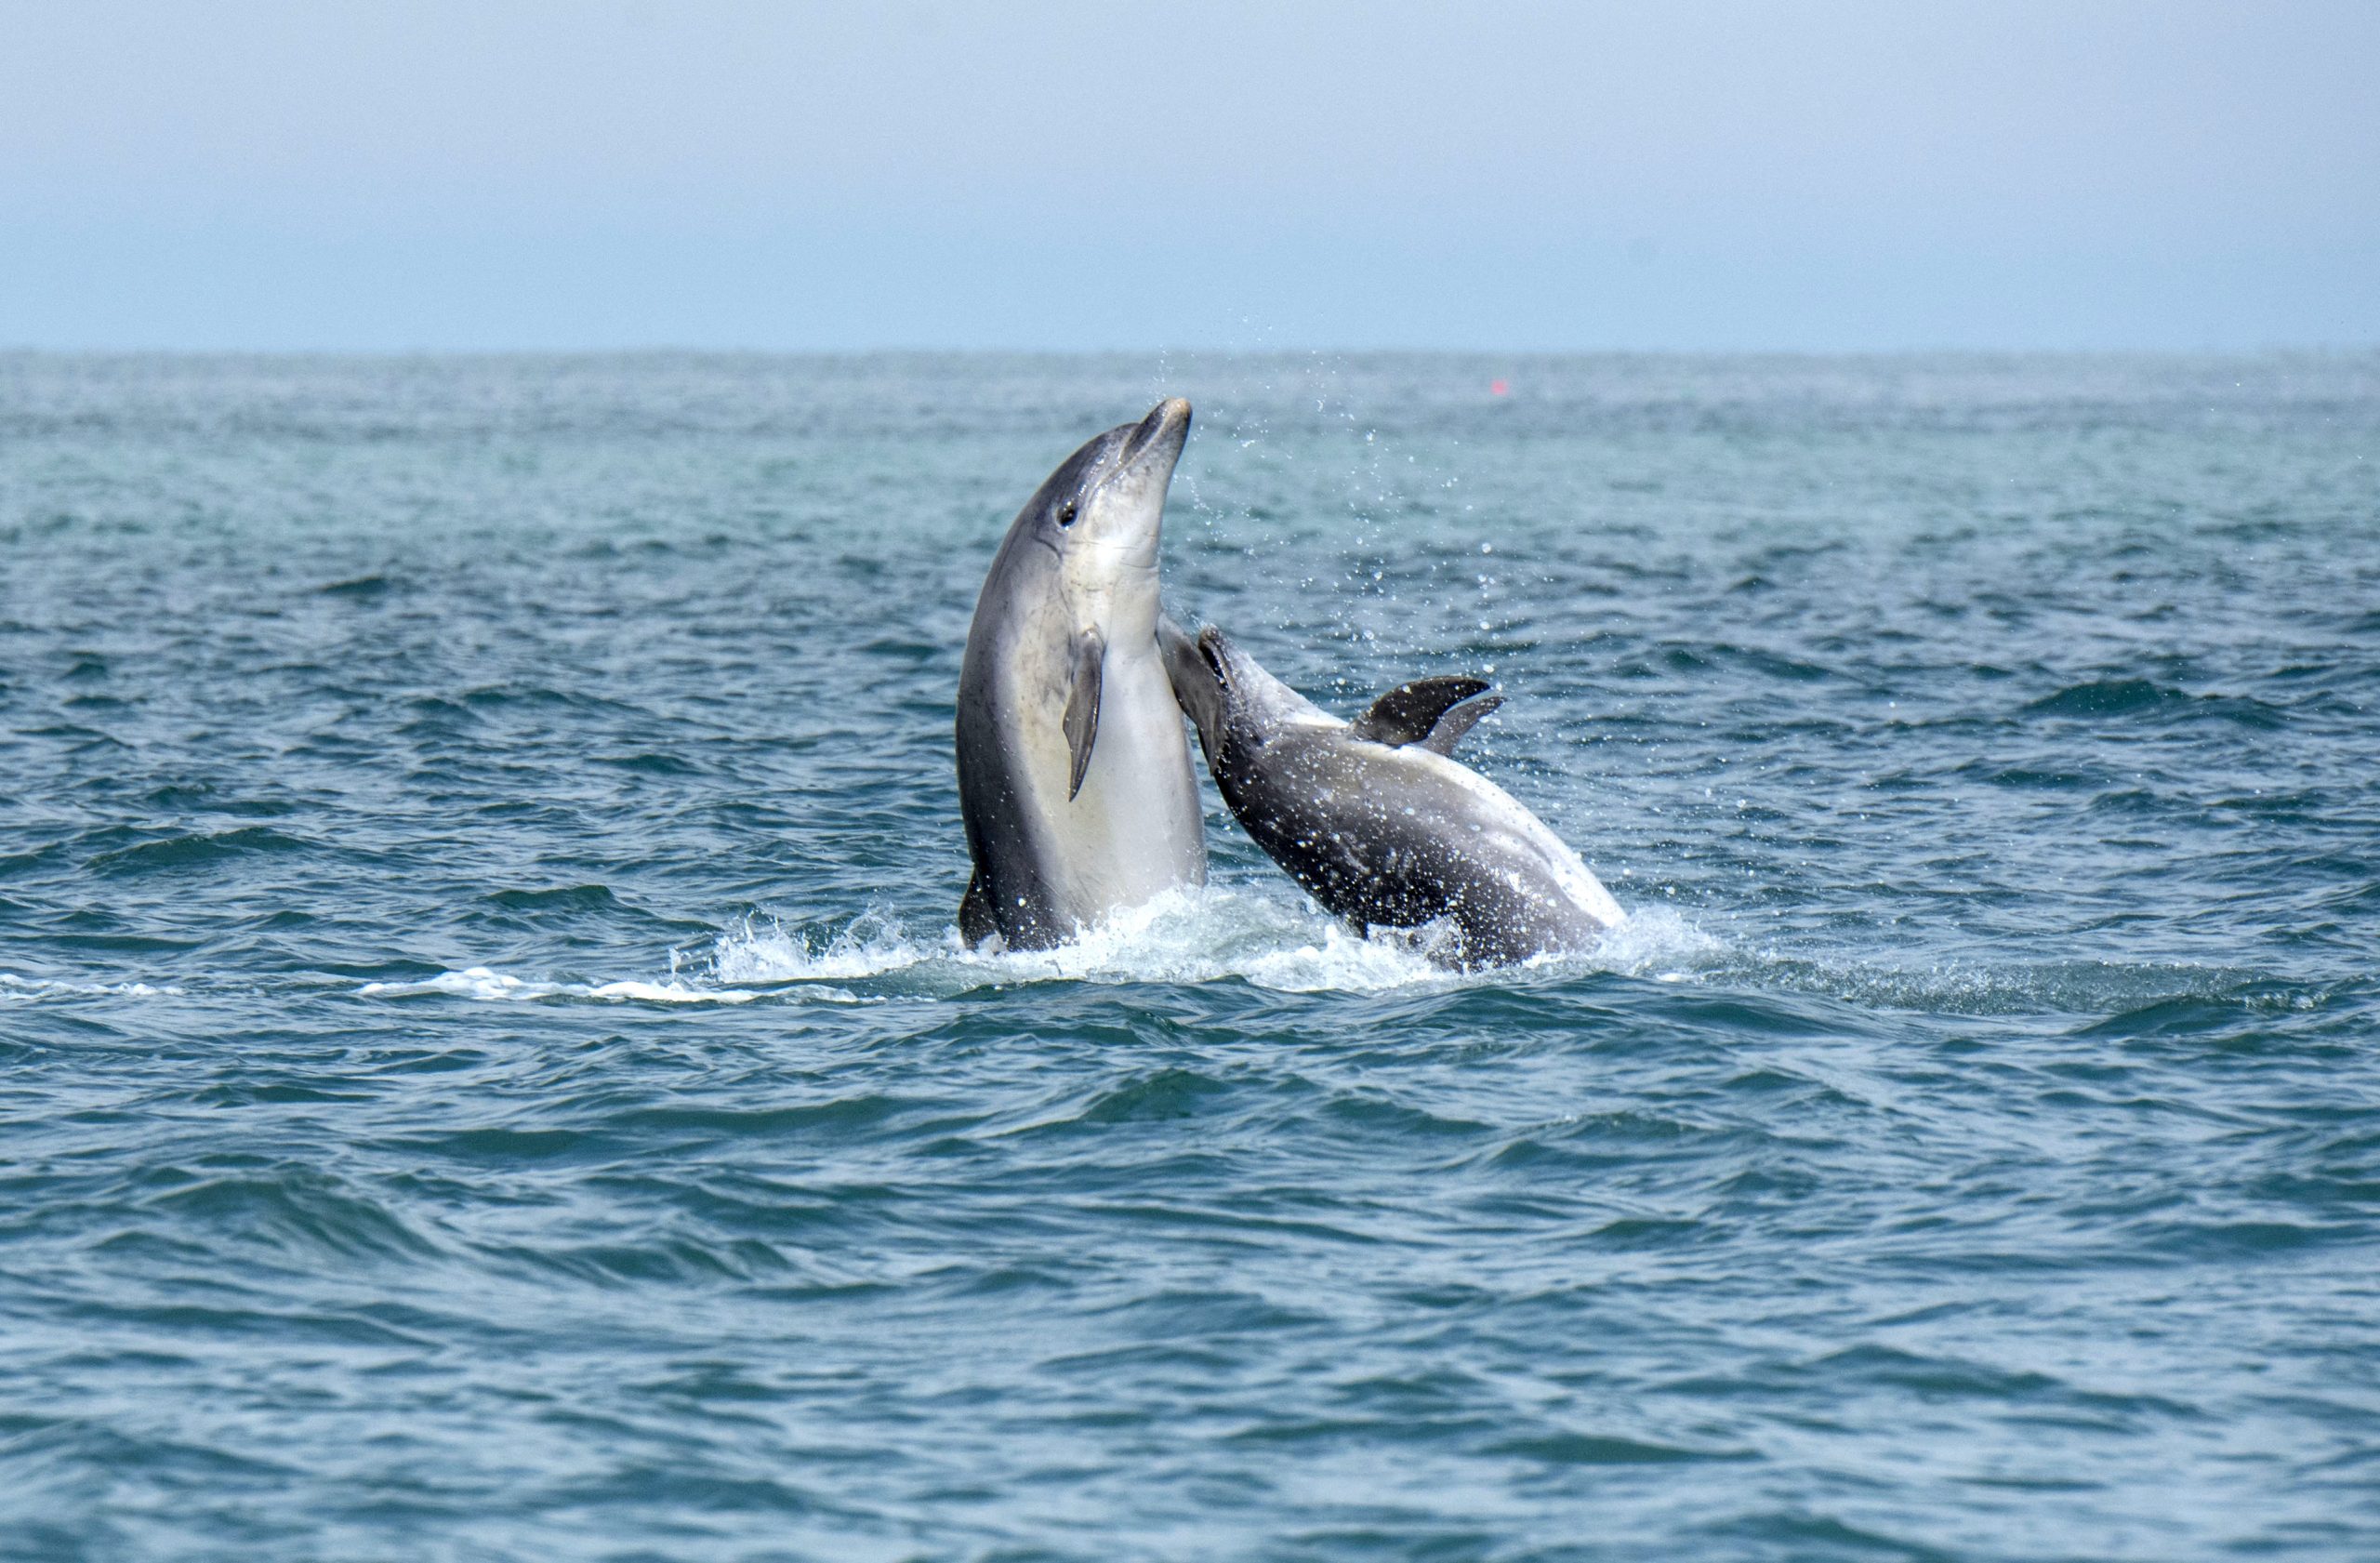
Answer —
(1430, 712)
(1458, 721)
(976, 920)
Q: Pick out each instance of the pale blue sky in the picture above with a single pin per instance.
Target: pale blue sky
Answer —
(490, 174)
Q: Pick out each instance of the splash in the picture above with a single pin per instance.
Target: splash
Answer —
(1241, 934)
(1217, 933)
(1660, 943)
(1210, 935)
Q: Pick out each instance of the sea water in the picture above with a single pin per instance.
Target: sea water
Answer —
(486, 1070)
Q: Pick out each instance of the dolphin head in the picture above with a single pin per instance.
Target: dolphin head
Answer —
(1231, 699)
(1101, 511)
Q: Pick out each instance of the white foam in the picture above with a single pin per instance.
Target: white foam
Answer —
(1217, 933)
(1265, 938)
(1183, 937)
(492, 987)
(670, 993)
(15, 987)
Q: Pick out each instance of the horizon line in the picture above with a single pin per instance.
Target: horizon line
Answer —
(661, 351)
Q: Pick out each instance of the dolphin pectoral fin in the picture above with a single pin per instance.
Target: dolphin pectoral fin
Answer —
(1411, 712)
(1459, 720)
(1081, 723)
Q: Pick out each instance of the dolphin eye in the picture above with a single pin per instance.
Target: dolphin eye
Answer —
(1067, 515)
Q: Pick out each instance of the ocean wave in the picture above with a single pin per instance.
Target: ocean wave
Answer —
(196, 850)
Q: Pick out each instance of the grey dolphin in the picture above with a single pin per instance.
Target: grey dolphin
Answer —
(1073, 775)
(1375, 819)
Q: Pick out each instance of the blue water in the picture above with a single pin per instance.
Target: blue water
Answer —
(485, 1071)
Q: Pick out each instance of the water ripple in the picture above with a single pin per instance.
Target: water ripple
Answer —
(490, 1073)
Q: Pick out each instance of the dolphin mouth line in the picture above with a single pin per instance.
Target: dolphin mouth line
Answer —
(1210, 651)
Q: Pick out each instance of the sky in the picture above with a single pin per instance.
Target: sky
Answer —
(1708, 175)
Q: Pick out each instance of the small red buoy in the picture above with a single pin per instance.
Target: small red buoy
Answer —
(1499, 388)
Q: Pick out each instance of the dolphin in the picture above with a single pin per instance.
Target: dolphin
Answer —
(1376, 819)
(1073, 772)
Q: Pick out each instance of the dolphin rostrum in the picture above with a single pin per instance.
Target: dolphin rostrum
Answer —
(1073, 775)
(1375, 819)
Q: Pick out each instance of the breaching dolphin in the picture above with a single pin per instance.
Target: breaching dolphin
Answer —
(1074, 775)
(1375, 819)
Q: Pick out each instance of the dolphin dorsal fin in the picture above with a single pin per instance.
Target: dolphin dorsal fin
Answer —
(1432, 714)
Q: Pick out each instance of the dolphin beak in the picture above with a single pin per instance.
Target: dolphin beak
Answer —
(1192, 678)
(1130, 507)
(1159, 439)
(1183, 667)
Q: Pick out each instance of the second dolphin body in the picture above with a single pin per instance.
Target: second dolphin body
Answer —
(1376, 820)
(1073, 775)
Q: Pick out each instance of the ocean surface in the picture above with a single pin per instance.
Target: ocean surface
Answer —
(487, 1071)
